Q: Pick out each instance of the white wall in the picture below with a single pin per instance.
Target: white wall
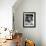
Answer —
(43, 22)
(6, 13)
(28, 6)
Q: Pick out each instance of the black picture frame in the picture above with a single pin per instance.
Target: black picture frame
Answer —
(29, 19)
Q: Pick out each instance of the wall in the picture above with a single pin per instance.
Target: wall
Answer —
(28, 6)
(6, 13)
(43, 22)
(6, 16)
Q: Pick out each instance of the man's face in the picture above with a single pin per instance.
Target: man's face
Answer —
(29, 18)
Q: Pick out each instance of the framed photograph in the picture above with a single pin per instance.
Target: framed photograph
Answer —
(29, 19)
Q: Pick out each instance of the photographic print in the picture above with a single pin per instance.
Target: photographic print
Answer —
(29, 19)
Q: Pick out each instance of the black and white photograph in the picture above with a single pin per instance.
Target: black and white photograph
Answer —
(29, 19)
